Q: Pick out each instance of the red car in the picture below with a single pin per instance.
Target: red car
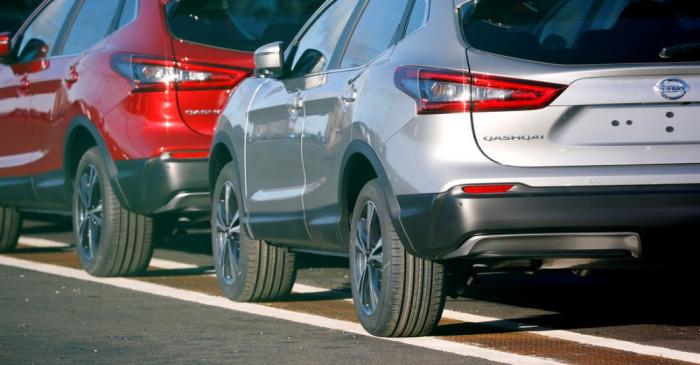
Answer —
(107, 109)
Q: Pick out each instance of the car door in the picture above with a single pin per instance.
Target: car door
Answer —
(22, 143)
(49, 89)
(328, 112)
(274, 168)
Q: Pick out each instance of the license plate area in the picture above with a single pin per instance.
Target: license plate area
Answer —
(631, 125)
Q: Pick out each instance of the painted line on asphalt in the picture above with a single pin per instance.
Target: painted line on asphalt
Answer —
(579, 338)
(271, 312)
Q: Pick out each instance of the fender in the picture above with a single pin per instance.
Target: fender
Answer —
(362, 148)
(85, 123)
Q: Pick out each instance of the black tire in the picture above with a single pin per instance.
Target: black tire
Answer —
(247, 270)
(401, 295)
(10, 225)
(110, 240)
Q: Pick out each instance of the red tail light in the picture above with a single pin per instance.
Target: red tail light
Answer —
(439, 91)
(487, 189)
(160, 74)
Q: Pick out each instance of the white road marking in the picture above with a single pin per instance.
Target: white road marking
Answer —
(262, 310)
(580, 338)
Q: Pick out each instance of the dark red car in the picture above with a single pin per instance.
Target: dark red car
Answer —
(107, 109)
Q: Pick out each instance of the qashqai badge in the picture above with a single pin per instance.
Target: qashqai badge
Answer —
(672, 89)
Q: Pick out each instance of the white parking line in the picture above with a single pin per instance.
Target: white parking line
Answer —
(583, 339)
(262, 310)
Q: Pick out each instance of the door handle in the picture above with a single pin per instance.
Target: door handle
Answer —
(296, 104)
(73, 75)
(350, 94)
(24, 84)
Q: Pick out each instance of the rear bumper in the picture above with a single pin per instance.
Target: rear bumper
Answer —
(164, 185)
(545, 222)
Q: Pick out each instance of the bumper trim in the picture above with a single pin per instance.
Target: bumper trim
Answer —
(554, 245)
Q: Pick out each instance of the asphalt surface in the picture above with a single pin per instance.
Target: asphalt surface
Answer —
(49, 319)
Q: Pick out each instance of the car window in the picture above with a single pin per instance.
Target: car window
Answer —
(317, 45)
(44, 28)
(375, 32)
(243, 25)
(418, 16)
(585, 32)
(92, 24)
(129, 12)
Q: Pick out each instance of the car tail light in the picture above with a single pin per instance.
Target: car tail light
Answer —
(439, 91)
(487, 189)
(159, 74)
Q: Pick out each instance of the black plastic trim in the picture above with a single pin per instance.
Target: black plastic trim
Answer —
(438, 224)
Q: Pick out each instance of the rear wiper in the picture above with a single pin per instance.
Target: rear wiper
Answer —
(679, 49)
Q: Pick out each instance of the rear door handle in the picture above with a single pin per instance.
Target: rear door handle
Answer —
(24, 84)
(350, 94)
(296, 104)
(73, 75)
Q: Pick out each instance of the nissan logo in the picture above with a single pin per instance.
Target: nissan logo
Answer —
(672, 89)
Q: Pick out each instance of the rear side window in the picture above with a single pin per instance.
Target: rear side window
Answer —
(44, 28)
(418, 16)
(129, 12)
(92, 24)
(585, 31)
(242, 25)
(376, 31)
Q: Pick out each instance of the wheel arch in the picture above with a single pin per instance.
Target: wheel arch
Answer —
(82, 135)
(360, 165)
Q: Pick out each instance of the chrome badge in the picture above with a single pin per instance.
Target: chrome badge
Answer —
(672, 89)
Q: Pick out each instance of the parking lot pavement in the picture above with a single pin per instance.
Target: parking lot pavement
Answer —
(635, 317)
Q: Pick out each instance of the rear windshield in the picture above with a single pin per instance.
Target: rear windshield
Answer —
(585, 31)
(242, 25)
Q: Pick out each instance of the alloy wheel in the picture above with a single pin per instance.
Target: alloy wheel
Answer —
(368, 258)
(228, 236)
(89, 212)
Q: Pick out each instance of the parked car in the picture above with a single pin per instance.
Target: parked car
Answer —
(107, 110)
(427, 139)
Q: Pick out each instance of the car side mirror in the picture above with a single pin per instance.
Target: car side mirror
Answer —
(34, 50)
(269, 61)
(5, 47)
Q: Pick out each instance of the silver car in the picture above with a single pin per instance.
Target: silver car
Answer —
(428, 139)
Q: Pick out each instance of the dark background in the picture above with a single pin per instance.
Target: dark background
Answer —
(14, 12)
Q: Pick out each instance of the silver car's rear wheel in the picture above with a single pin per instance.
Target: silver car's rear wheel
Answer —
(396, 294)
(247, 270)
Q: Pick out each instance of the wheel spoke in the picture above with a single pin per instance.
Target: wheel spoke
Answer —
(377, 254)
(83, 193)
(221, 225)
(234, 221)
(369, 218)
(373, 290)
(223, 252)
(92, 185)
(362, 285)
(227, 204)
(92, 237)
(361, 241)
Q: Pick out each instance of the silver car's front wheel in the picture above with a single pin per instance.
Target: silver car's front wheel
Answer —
(396, 294)
(247, 270)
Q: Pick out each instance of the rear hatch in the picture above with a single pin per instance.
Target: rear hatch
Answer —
(625, 74)
(219, 37)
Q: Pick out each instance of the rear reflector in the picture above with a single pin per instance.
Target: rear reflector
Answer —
(487, 189)
(160, 74)
(189, 155)
(439, 91)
